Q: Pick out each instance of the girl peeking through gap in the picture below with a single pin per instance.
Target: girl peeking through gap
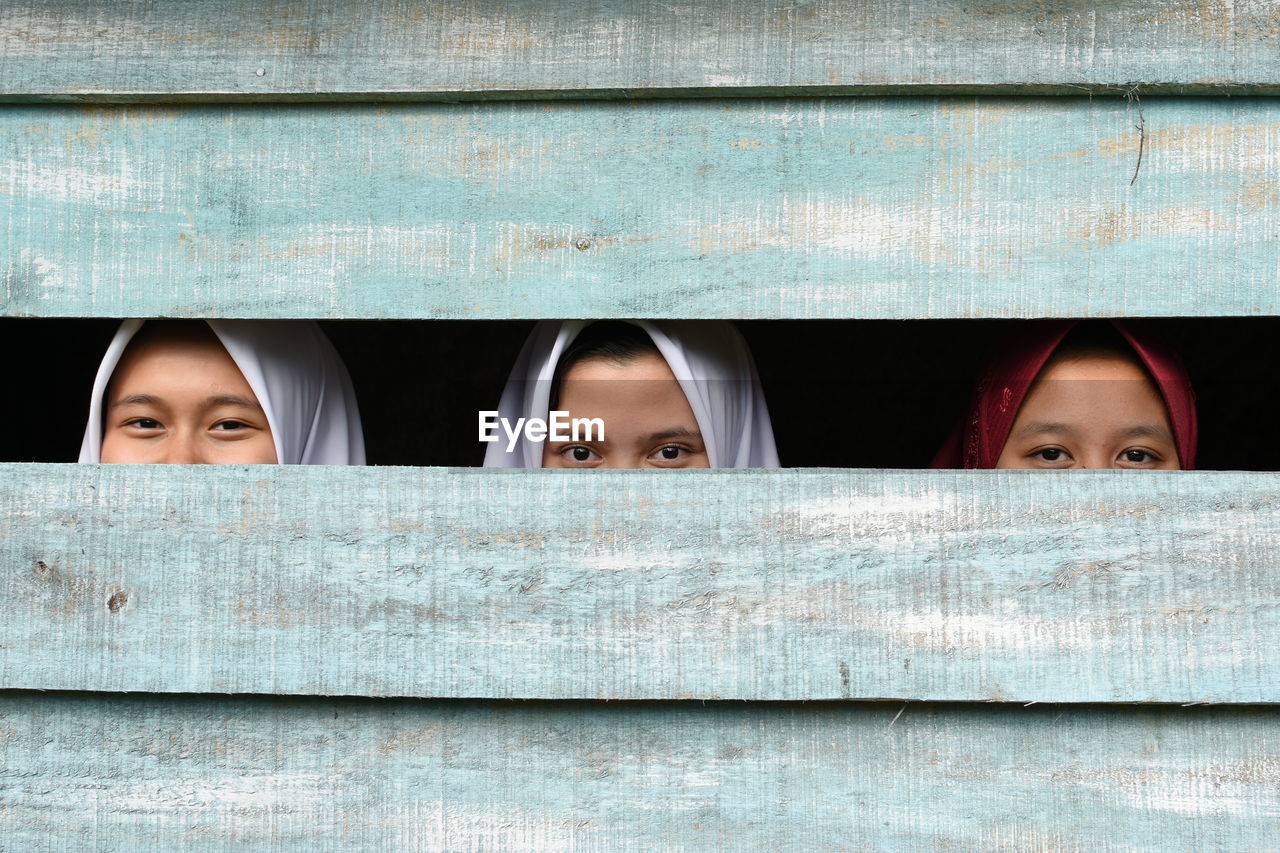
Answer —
(1071, 394)
(222, 392)
(669, 394)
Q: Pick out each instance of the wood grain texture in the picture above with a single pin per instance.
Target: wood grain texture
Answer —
(899, 208)
(773, 585)
(204, 774)
(298, 49)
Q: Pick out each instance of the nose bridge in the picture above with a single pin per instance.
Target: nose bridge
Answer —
(184, 447)
(1096, 458)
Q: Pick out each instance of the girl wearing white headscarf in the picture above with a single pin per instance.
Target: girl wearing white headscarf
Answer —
(709, 360)
(293, 370)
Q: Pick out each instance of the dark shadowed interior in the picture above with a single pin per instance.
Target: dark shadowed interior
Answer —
(842, 393)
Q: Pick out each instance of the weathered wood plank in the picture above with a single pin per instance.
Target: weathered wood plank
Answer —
(202, 774)
(792, 584)
(297, 49)
(812, 208)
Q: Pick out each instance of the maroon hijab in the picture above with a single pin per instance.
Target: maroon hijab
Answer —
(978, 441)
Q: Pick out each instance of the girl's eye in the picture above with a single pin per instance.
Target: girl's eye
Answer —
(1138, 457)
(230, 425)
(578, 453)
(1050, 454)
(144, 423)
(670, 453)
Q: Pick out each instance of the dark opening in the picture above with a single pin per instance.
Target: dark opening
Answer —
(842, 393)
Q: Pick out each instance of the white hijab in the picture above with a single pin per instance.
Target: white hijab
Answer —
(294, 371)
(708, 357)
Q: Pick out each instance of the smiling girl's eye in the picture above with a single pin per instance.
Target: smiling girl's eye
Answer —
(143, 423)
(226, 426)
(671, 454)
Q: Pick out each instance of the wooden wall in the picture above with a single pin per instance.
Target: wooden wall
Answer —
(813, 659)
(909, 207)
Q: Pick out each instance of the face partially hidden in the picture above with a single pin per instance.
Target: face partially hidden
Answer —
(1098, 411)
(183, 401)
(647, 420)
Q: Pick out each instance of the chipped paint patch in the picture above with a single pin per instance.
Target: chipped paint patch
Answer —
(1099, 228)
(54, 183)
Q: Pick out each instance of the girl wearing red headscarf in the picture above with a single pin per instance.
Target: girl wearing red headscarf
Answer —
(1067, 394)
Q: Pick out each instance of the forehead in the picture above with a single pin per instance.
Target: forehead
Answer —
(176, 362)
(1095, 368)
(1097, 390)
(639, 392)
(645, 366)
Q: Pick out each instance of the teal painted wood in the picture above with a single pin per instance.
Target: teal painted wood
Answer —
(773, 585)
(809, 208)
(534, 48)
(207, 774)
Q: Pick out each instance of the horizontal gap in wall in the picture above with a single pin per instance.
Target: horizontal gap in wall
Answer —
(1012, 88)
(860, 394)
(624, 706)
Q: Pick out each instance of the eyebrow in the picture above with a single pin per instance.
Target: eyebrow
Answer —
(233, 400)
(1036, 427)
(136, 400)
(661, 435)
(678, 432)
(1145, 430)
(220, 400)
(1139, 431)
